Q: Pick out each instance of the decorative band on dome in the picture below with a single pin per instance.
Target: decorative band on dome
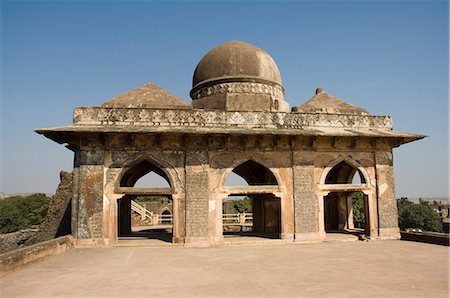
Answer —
(276, 91)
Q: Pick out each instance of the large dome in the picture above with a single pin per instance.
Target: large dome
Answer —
(238, 76)
(236, 61)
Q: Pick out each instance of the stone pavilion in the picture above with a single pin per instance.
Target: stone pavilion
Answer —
(300, 163)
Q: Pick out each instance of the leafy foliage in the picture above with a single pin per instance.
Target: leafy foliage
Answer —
(419, 215)
(18, 213)
(359, 218)
(149, 198)
(243, 205)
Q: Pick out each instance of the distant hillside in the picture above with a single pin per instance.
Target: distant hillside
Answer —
(24, 194)
(428, 199)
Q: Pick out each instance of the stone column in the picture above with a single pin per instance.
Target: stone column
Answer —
(350, 224)
(306, 203)
(87, 213)
(342, 211)
(178, 218)
(387, 203)
(124, 216)
(197, 197)
(89, 207)
(321, 210)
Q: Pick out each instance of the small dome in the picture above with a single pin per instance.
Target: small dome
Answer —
(146, 96)
(236, 61)
(237, 76)
(324, 103)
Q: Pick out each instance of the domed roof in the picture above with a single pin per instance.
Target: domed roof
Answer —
(146, 96)
(324, 103)
(236, 61)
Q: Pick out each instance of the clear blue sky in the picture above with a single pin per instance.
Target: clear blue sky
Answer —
(389, 57)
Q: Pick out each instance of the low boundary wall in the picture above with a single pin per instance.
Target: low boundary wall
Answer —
(13, 260)
(427, 237)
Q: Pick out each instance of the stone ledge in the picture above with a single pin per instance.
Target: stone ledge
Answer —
(309, 237)
(426, 237)
(215, 118)
(16, 240)
(16, 259)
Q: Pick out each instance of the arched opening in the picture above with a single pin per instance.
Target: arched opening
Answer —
(255, 174)
(152, 180)
(147, 191)
(344, 173)
(251, 210)
(346, 207)
(144, 171)
(166, 217)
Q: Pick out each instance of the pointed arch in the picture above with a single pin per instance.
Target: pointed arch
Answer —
(165, 211)
(134, 169)
(133, 174)
(253, 171)
(139, 167)
(342, 170)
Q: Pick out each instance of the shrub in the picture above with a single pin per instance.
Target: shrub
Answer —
(19, 213)
(419, 215)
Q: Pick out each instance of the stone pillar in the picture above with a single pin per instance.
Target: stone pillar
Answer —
(350, 224)
(216, 216)
(387, 203)
(342, 211)
(321, 209)
(258, 214)
(155, 219)
(124, 216)
(197, 197)
(178, 218)
(87, 210)
(306, 203)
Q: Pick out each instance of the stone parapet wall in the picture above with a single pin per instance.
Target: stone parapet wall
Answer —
(217, 118)
(15, 240)
(18, 258)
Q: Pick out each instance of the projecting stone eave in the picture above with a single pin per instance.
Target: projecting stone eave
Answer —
(70, 134)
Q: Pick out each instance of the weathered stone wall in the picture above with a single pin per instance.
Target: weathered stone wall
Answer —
(224, 119)
(19, 239)
(89, 209)
(123, 153)
(197, 196)
(57, 221)
(20, 257)
(305, 194)
(157, 207)
(387, 203)
(197, 167)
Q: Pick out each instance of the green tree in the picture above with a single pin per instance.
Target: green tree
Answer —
(359, 218)
(419, 215)
(18, 213)
(244, 205)
(149, 198)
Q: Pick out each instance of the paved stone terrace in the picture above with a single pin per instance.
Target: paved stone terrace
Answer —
(330, 269)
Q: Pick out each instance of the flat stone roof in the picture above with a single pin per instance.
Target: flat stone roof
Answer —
(331, 269)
